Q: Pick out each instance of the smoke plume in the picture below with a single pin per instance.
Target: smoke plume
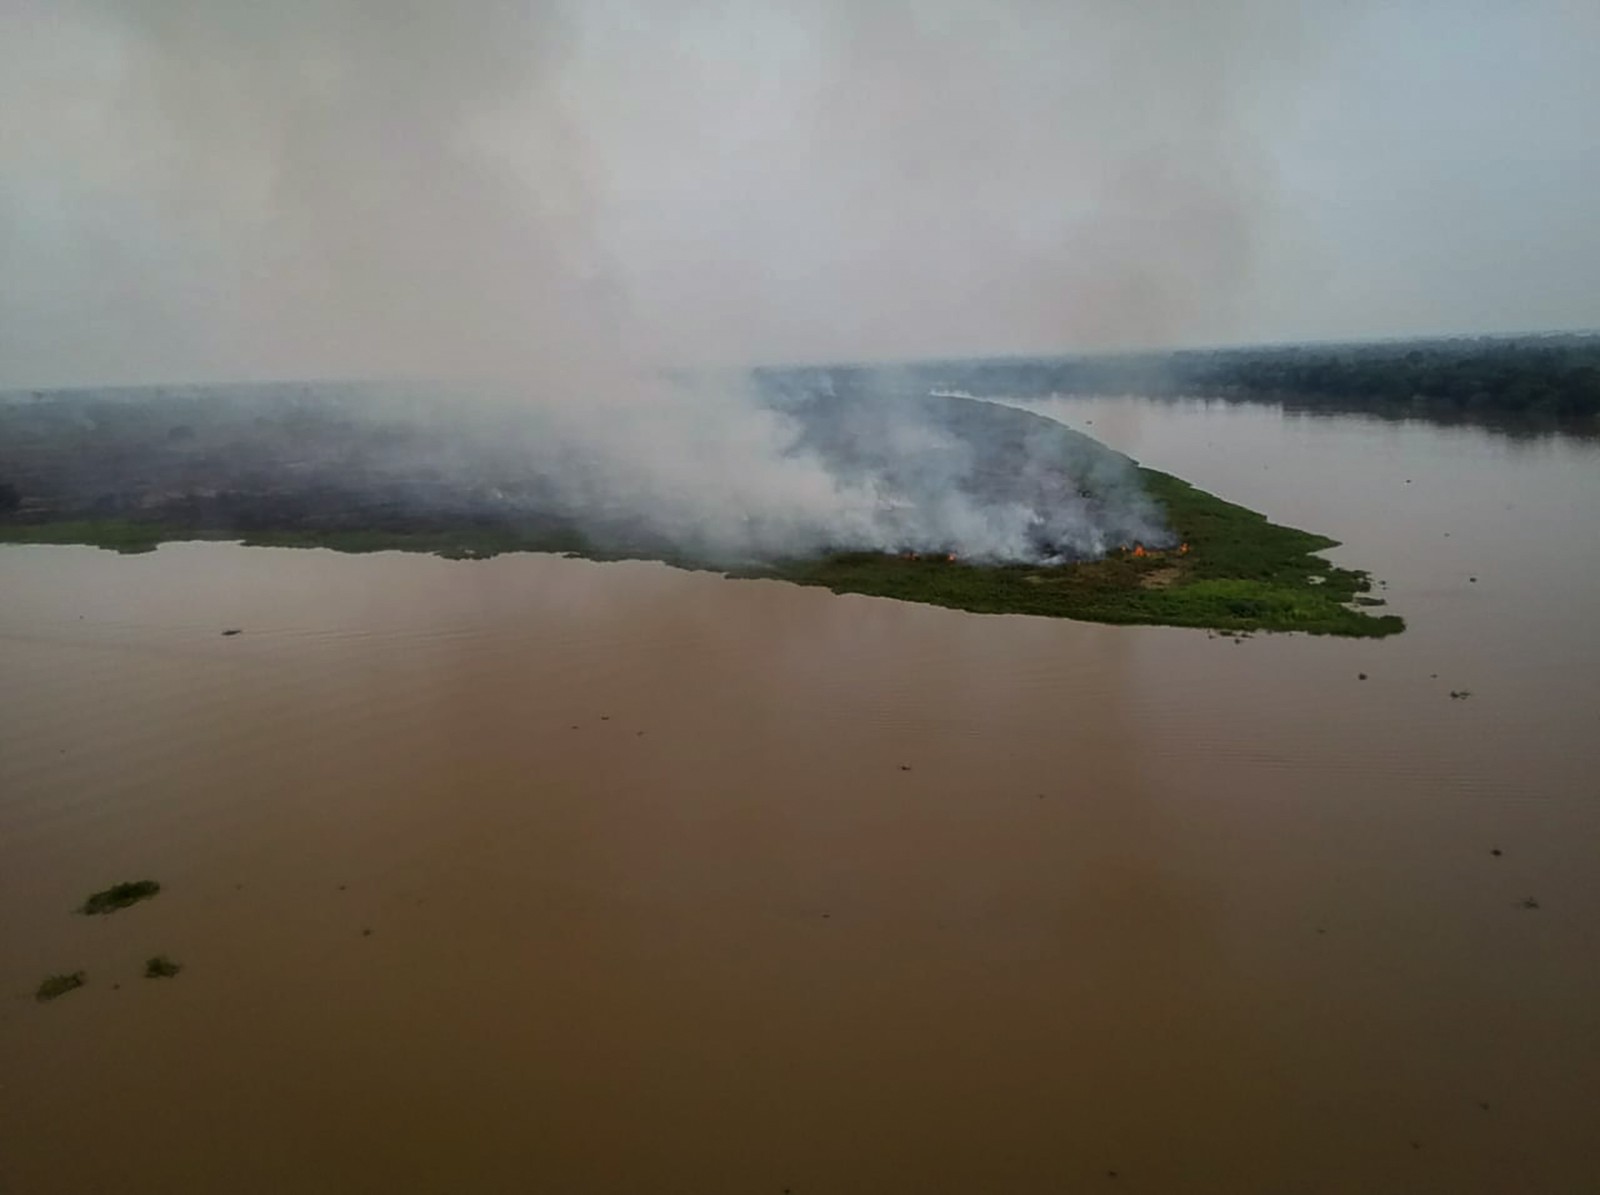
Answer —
(555, 202)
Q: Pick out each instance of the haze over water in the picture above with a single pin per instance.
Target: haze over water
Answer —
(655, 904)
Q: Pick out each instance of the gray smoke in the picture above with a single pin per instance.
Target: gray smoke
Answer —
(807, 466)
(553, 201)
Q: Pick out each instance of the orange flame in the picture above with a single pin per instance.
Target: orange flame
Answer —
(1138, 550)
(1183, 549)
(950, 557)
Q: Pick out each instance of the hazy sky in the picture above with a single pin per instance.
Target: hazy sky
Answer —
(206, 189)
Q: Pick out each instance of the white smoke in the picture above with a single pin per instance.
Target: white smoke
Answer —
(713, 469)
(557, 199)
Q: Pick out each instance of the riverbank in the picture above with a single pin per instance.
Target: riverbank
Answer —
(1236, 571)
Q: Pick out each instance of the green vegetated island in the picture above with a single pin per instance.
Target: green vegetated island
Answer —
(336, 467)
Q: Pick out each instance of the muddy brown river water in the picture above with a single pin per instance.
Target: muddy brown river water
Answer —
(535, 874)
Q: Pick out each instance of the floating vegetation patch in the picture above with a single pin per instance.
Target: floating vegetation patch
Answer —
(60, 985)
(120, 896)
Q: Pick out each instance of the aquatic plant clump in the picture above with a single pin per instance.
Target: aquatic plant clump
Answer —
(60, 985)
(161, 967)
(120, 896)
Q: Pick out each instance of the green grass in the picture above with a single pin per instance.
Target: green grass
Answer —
(120, 896)
(116, 535)
(131, 536)
(161, 967)
(1242, 572)
(466, 543)
(59, 985)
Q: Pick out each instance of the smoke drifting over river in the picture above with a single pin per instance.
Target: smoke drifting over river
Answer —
(807, 462)
(556, 201)
(816, 464)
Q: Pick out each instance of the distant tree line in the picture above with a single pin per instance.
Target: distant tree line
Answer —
(1542, 377)
(1559, 379)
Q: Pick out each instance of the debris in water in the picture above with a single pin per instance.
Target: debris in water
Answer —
(1528, 902)
(60, 985)
(905, 767)
(233, 631)
(1361, 676)
(161, 967)
(120, 896)
(1495, 851)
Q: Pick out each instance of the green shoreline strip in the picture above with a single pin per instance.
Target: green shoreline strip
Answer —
(1241, 573)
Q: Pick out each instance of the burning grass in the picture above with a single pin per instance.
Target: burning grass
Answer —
(1240, 573)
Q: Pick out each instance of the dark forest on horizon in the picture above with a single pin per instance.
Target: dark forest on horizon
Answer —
(1539, 378)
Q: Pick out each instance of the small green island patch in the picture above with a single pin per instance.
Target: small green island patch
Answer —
(119, 896)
